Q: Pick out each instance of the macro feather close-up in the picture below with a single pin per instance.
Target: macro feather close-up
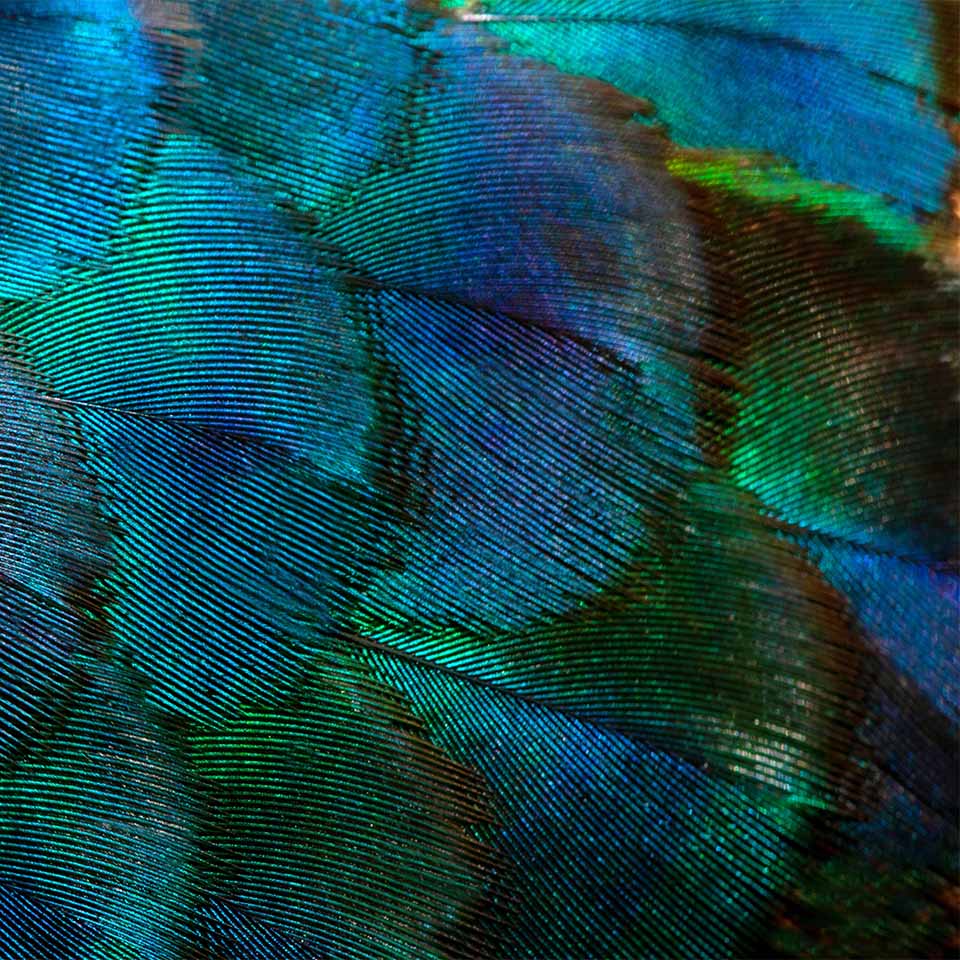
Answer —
(479, 479)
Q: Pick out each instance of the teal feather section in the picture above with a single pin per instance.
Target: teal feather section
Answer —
(30, 928)
(478, 480)
(99, 825)
(392, 869)
(53, 547)
(601, 822)
(75, 121)
(754, 72)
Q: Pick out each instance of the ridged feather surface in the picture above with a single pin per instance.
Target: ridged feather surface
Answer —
(479, 480)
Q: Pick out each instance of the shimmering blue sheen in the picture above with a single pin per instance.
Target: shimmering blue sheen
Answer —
(909, 612)
(78, 113)
(827, 115)
(500, 214)
(225, 564)
(221, 313)
(637, 850)
(343, 81)
(885, 37)
(29, 926)
(533, 452)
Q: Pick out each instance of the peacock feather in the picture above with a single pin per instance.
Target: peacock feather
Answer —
(479, 479)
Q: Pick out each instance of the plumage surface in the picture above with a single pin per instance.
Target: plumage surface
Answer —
(478, 480)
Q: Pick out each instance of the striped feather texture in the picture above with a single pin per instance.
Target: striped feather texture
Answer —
(479, 480)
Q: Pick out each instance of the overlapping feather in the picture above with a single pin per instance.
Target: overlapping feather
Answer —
(477, 480)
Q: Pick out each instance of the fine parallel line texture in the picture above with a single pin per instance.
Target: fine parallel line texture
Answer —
(478, 480)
